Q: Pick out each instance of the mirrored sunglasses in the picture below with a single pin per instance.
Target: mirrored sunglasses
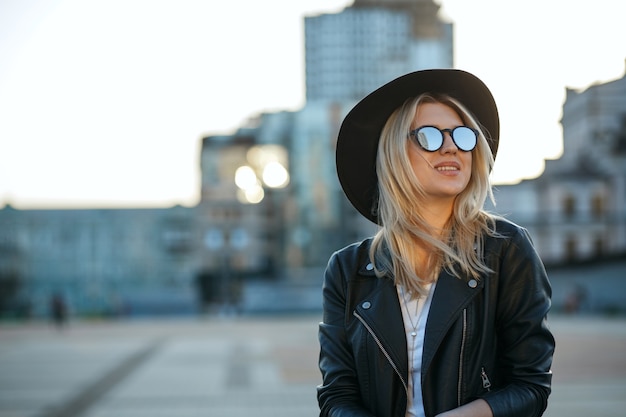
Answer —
(431, 138)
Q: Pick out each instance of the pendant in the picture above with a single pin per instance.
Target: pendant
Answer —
(413, 334)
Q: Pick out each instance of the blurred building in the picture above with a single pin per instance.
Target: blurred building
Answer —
(576, 210)
(349, 54)
(99, 261)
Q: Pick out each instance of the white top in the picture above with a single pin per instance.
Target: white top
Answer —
(415, 314)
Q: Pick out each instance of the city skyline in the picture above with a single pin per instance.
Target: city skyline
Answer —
(104, 104)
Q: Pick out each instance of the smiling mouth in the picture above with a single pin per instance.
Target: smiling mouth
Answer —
(447, 168)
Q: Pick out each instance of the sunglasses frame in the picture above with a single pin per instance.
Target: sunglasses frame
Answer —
(414, 132)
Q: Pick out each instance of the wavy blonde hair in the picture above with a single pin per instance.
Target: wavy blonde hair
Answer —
(400, 194)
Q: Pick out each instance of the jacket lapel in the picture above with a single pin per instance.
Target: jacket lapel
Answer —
(451, 296)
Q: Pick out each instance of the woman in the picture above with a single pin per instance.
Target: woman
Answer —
(442, 312)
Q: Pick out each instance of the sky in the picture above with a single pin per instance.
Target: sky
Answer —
(103, 103)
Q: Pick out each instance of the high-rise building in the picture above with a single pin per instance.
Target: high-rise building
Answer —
(351, 53)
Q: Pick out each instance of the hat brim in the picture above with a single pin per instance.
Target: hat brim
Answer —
(357, 143)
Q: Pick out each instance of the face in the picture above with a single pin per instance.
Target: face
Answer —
(445, 173)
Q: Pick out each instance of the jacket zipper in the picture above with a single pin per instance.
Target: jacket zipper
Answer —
(380, 346)
(461, 357)
(485, 378)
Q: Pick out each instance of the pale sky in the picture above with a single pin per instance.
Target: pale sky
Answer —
(103, 103)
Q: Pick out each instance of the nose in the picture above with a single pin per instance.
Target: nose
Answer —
(448, 145)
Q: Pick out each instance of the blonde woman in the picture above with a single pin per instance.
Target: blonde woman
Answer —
(442, 312)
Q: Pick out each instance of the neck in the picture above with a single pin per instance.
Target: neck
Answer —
(437, 214)
(425, 262)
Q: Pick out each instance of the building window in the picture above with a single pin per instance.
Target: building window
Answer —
(569, 206)
(598, 205)
(177, 236)
(571, 245)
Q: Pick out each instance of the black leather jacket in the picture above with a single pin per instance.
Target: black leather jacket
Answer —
(484, 338)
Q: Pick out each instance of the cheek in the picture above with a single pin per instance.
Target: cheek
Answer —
(418, 163)
(468, 160)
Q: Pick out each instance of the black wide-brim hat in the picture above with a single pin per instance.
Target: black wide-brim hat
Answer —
(360, 131)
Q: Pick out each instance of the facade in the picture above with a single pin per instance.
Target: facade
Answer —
(310, 217)
(104, 261)
(576, 210)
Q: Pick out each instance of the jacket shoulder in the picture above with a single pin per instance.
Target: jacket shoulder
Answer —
(353, 257)
(509, 237)
(507, 231)
(507, 228)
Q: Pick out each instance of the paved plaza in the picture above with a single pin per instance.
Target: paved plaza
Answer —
(231, 367)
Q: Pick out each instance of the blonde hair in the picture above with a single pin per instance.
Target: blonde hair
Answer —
(403, 225)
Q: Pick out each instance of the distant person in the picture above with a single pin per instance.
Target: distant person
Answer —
(58, 310)
(442, 312)
(575, 299)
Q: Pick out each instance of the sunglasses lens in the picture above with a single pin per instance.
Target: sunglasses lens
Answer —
(464, 138)
(429, 138)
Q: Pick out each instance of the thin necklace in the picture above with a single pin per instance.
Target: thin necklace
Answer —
(413, 334)
(406, 308)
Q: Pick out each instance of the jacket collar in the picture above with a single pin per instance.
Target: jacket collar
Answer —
(451, 296)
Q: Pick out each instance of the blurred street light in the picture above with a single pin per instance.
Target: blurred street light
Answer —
(275, 175)
(267, 166)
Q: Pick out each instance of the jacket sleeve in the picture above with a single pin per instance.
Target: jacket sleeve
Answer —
(525, 344)
(338, 395)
